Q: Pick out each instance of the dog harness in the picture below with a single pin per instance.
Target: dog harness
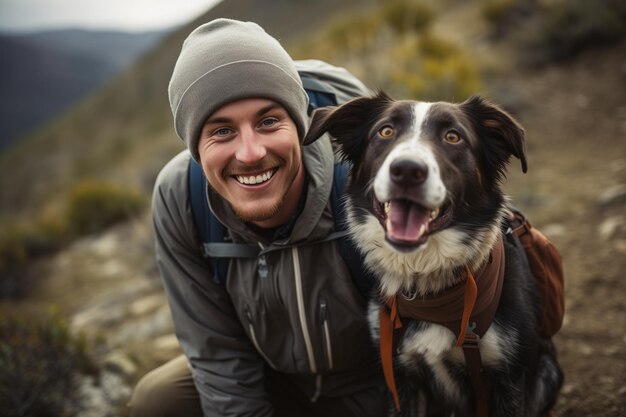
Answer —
(467, 309)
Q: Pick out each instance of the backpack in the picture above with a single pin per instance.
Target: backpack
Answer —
(545, 263)
(325, 85)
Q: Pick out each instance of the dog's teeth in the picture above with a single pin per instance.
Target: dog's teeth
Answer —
(434, 214)
(387, 207)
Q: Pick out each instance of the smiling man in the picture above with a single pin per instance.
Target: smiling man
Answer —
(285, 333)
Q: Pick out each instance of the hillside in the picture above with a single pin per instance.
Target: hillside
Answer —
(46, 72)
(123, 132)
(573, 110)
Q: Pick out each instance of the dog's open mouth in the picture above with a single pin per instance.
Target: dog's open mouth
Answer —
(408, 224)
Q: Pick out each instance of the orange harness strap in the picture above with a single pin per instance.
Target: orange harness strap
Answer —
(389, 321)
(471, 292)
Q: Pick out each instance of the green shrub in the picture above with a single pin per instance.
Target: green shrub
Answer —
(20, 243)
(94, 206)
(39, 361)
(404, 16)
(432, 69)
(353, 33)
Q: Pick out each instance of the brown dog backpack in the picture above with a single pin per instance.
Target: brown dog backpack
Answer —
(545, 263)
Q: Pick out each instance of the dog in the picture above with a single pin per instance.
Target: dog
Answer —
(425, 207)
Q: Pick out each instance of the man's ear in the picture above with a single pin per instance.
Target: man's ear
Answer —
(500, 134)
(349, 124)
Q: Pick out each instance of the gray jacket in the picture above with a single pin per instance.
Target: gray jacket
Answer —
(304, 318)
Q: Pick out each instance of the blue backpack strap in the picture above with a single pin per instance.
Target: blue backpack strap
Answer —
(353, 258)
(214, 237)
(319, 95)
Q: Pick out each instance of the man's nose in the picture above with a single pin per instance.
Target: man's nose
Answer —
(250, 149)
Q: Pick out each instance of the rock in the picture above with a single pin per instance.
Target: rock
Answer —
(144, 328)
(114, 387)
(553, 230)
(609, 227)
(93, 401)
(147, 304)
(620, 246)
(97, 316)
(167, 342)
(104, 397)
(118, 363)
(612, 195)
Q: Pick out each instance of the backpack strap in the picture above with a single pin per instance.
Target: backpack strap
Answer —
(216, 245)
(363, 279)
(319, 95)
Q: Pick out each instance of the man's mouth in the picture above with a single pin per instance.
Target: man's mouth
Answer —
(257, 178)
(408, 224)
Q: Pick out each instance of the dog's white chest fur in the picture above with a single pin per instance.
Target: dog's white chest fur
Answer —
(435, 345)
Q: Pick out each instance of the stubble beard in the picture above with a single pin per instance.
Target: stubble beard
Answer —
(260, 215)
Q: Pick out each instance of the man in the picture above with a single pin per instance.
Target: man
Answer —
(286, 333)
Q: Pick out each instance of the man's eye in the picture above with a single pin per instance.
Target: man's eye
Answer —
(222, 131)
(269, 122)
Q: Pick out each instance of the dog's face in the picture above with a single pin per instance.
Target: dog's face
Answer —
(421, 168)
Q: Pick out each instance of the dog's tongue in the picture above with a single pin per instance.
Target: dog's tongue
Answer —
(407, 221)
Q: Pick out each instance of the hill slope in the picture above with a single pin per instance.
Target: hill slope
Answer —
(123, 133)
(44, 73)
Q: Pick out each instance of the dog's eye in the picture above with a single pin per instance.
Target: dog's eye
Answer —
(386, 132)
(452, 136)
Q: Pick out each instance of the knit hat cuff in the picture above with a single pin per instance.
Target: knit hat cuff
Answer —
(254, 79)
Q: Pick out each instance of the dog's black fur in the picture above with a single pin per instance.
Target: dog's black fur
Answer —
(447, 161)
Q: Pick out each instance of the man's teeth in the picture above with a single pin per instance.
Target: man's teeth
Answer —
(255, 179)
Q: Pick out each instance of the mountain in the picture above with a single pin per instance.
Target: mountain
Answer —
(46, 72)
(123, 132)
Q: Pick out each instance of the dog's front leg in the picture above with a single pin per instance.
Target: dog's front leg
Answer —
(507, 396)
(414, 403)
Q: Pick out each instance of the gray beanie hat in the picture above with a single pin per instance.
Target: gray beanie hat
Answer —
(227, 60)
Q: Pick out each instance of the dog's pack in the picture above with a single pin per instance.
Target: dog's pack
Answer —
(426, 208)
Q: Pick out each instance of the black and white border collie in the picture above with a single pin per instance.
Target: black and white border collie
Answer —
(424, 201)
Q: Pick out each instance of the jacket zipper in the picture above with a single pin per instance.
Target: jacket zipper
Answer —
(255, 341)
(301, 310)
(303, 323)
(326, 334)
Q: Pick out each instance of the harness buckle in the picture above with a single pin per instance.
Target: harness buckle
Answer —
(471, 339)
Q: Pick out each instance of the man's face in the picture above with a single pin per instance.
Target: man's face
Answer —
(250, 154)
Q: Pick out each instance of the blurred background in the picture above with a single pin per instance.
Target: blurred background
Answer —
(85, 127)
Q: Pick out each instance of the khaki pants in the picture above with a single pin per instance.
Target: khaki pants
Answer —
(169, 391)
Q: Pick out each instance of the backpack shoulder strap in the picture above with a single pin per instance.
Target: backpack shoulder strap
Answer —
(215, 240)
(363, 279)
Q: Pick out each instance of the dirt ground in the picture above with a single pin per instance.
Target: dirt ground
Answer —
(575, 191)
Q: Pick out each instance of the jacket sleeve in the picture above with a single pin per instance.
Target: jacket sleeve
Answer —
(227, 370)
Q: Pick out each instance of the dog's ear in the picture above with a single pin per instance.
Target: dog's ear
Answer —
(348, 124)
(500, 134)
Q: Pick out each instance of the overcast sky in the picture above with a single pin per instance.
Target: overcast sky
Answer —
(125, 15)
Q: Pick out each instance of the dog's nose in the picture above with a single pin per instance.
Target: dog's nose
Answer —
(408, 172)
